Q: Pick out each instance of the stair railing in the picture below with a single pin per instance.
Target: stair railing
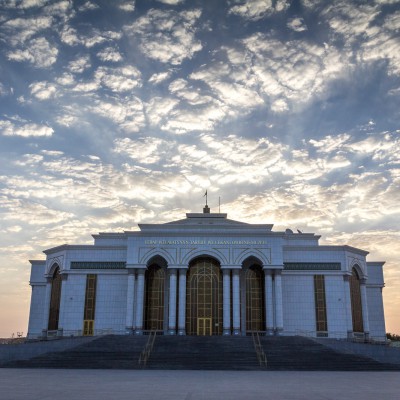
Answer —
(262, 358)
(145, 354)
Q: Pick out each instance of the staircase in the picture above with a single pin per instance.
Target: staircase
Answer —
(298, 353)
(204, 353)
(106, 352)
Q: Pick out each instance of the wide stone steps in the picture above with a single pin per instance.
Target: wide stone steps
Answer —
(204, 353)
(299, 353)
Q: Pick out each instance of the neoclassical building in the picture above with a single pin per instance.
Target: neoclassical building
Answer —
(207, 275)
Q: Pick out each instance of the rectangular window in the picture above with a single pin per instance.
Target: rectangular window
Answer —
(90, 303)
(320, 303)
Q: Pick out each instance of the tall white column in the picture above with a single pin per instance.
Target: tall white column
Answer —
(172, 302)
(278, 302)
(364, 305)
(227, 301)
(45, 323)
(269, 302)
(236, 301)
(347, 299)
(182, 302)
(130, 300)
(139, 302)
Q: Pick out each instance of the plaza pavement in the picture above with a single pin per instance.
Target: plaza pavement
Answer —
(63, 384)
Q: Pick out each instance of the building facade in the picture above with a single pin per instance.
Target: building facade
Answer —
(207, 275)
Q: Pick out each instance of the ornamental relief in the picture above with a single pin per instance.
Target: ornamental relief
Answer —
(226, 255)
(59, 260)
(352, 261)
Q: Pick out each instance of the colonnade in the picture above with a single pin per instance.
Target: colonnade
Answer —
(177, 315)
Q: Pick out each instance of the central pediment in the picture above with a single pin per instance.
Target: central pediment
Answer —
(204, 221)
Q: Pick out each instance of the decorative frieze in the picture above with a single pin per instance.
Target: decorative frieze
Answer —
(309, 266)
(98, 264)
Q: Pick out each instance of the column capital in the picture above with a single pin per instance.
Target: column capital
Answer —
(172, 271)
(64, 277)
(267, 271)
(131, 271)
(231, 267)
(363, 281)
(273, 267)
(177, 266)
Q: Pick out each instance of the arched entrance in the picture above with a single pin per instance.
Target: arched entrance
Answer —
(356, 305)
(154, 298)
(55, 300)
(255, 303)
(204, 308)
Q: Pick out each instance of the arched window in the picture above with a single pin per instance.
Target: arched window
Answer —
(204, 298)
(356, 307)
(55, 300)
(154, 298)
(255, 304)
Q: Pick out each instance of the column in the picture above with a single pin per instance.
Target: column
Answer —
(227, 301)
(139, 302)
(182, 302)
(347, 299)
(63, 300)
(172, 302)
(278, 302)
(130, 300)
(269, 302)
(46, 308)
(364, 305)
(236, 301)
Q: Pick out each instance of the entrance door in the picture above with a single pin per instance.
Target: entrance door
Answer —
(204, 298)
(88, 327)
(204, 326)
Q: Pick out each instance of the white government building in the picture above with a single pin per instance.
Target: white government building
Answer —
(207, 275)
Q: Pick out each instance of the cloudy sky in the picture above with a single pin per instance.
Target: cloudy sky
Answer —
(120, 112)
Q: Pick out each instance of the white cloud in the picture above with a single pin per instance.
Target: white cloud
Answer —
(171, 2)
(257, 9)
(294, 71)
(167, 36)
(30, 3)
(80, 64)
(8, 128)
(143, 150)
(110, 54)
(126, 112)
(38, 52)
(72, 37)
(119, 79)
(21, 29)
(158, 109)
(297, 24)
(351, 20)
(87, 6)
(66, 79)
(43, 90)
(279, 105)
(160, 77)
(128, 6)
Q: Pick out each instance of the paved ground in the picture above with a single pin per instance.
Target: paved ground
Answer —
(46, 384)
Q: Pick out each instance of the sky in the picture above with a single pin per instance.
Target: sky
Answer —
(114, 113)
